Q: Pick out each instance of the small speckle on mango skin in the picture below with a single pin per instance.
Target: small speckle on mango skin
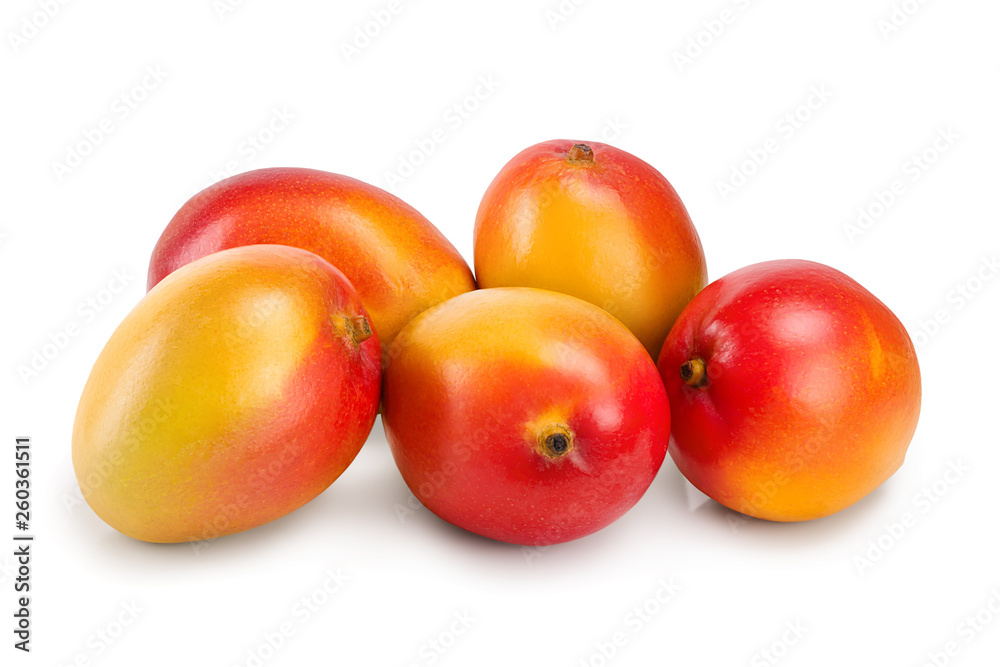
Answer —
(227, 398)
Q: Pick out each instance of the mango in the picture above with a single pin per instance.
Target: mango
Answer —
(397, 260)
(238, 389)
(524, 415)
(597, 223)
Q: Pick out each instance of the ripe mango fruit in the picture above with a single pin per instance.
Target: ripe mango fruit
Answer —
(597, 223)
(237, 390)
(396, 259)
(524, 415)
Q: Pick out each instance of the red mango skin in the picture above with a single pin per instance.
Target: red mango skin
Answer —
(485, 379)
(811, 396)
(237, 390)
(605, 227)
(396, 259)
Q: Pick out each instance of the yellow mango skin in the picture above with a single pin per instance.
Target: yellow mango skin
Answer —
(609, 229)
(235, 391)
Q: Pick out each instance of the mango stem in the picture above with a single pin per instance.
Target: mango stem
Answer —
(360, 329)
(581, 153)
(555, 441)
(694, 374)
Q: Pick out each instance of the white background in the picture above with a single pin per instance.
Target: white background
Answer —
(610, 70)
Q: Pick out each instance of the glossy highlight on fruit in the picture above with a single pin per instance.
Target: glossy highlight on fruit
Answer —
(595, 222)
(794, 391)
(524, 415)
(396, 259)
(237, 390)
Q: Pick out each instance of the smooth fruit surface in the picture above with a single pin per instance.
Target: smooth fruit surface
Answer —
(524, 415)
(397, 260)
(795, 392)
(237, 390)
(597, 223)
